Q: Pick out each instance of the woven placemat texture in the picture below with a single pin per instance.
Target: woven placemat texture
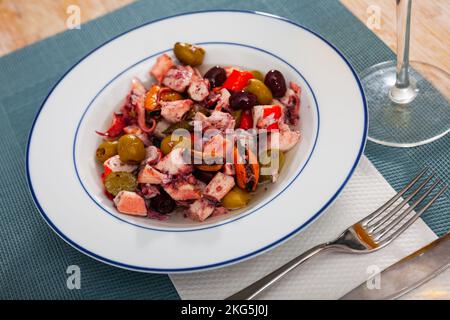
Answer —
(33, 260)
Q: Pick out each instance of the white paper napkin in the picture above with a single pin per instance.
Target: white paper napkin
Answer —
(327, 276)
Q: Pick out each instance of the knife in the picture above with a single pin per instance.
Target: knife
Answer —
(407, 274)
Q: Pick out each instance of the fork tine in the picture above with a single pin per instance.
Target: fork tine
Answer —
(414, 218)
(378, 224)
(381, 209)
(404, 214)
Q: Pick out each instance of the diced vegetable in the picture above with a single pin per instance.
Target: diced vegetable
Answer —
(246, 120)
(236, 199)
(170, 96)
(131, 149)
(237, 80)
(258, 75)
(151, 98)
(106, 150)
(243, 100)
(180, 125)
(162, 203)
(260, 90)
(275, 81)
(170, 142)
(216, 76)
(116, 128)
(120, 181)
(189, 54)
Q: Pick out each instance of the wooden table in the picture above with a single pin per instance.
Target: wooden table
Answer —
(25, 21)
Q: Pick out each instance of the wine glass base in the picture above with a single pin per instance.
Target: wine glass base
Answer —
(418, 119)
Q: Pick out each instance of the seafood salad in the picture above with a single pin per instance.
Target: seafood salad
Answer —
(197, 144)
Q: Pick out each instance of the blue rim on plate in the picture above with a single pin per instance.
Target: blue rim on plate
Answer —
(238, 217)
(230, 261)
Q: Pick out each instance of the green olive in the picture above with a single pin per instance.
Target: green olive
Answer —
(170, 142)
(236, 199)
(260, 90)
(258, 75)
(183, 124)
(106, 150)
(120, 181)
(275, 158)
(189, 54)
(171, 96)
(131, 149)
(196, 109)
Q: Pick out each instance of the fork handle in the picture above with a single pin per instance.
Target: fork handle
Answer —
(262, 284)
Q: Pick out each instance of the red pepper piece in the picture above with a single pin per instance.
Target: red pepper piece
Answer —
(246, 120)
(116, 128)
(274, 112)
(237, 80)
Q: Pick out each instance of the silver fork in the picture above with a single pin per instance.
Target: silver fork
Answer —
(372, 233)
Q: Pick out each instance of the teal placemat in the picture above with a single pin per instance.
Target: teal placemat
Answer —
(33, 260)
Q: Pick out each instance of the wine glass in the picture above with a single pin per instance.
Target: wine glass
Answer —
(408, 101)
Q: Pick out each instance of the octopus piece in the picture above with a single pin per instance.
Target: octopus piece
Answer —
(292, 102)
(175, 163)
(150, 175)
(228, 169)
(267, 116)
(163, 64)
(200, 210)
(212, 99)
(114, 164)
(161, 126)
(149, 191)
(182, 190)
(284, 139)
(219, 186)
(217, 120)
(152, 155)
(178, 78)
(219, 211)
(198, 89)
(218, 147)
(136, 101)
(137, 93)
(135, 130)
(130, 203)
(173, 111)
(224, 100)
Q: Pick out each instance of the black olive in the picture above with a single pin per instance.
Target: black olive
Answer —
(204, 176)
(216, 76)
(243, 100)
(156, 141)
(276, 83)
(163, 203)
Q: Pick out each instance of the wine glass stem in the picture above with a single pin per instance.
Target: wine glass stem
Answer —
(404, 91)
(403, 37)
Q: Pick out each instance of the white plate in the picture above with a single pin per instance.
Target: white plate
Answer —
(64, 178)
